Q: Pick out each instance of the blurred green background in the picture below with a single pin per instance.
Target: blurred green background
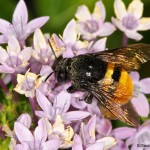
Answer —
(62, 11)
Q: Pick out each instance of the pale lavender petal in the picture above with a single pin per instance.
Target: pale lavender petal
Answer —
(74, 115)
(43, 102)
(123, 132)
(144, 24)
(91, 125)
(133, 35)
(13, 46)
(23, 146)
(3, 39)
(77, 143)
(62, 101)
(96, 146)
(120, 146)
(40, 132)
(6, 69)
(135, 76)
(99, 12)
(83, 13)
(4, 26)
(21, 13)
(103, 126)
(106, 29)
(42, 114)
(70, 33)
(144, 85)
(99, 45)
(141, 105)
(26, 53)
(4, 55)
(25, 119)
(68, 53)
(36, 23)
(23, 133)
(51, 145)
(120, 9)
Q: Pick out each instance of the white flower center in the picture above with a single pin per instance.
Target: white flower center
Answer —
(91, 26)
(130, 22)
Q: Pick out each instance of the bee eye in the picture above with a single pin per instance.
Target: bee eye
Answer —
(61, 77)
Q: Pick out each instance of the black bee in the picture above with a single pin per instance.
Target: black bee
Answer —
(104, 75)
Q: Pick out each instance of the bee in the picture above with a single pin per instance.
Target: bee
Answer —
(105, 76)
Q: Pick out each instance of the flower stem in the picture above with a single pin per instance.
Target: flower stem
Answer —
(14, 80)
(4, 87)
(124, 40)
(33, 107)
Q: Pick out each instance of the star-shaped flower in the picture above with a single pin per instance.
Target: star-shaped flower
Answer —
(20, 27)
(130, 20)
(91, 26)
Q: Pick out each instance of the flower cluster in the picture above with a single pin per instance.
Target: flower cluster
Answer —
(62, 120)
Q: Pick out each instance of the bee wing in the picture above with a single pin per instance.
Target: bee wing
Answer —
(124, 112)
(129, 57)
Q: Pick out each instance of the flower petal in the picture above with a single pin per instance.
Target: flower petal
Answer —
(144, 85)
(62, 101)
(83, 13)
(90, 127)
(123, 132)
(36, 23)
(108, 142)
(99, 11)
(40, 132)
(42, 114)
(4, 26)
(136, 8)
(74, 115)
(70, 33)
(26, 54)
(135, 76)
(23, 133)
(133, 35)
(51, 145)
(118, 24)
(99, 45)
(77, 143)
(120, 9)
(39, 40)
(98, 146)
(25, 119)
(43, 102)
(13, 46)
(3, 39)
(6, 69)
(144, 24)
(21, 13)
(141, 105)
(4, 55)
(106, 29)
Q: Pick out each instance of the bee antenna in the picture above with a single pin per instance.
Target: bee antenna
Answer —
(52, 49)
(49, 76)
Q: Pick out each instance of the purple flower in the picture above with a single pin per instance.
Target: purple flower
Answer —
(133, 136)
(19, 27)
(37, 140)
(139, 100)
(87, 139)
(57, 131)
(14, 59)
(91, 26)
(27, 84)
(129, 21)
(60, 107)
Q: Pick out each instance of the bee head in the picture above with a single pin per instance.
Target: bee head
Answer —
(62, 70)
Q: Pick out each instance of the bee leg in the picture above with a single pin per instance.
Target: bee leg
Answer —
(88, 98)
(71, 89)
